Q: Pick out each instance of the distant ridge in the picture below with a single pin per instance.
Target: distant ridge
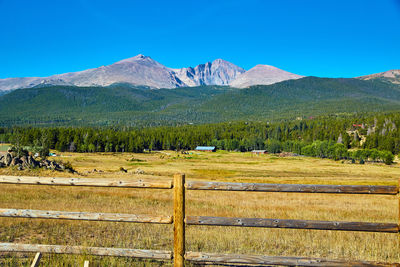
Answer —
(392, 76)
(144, 71)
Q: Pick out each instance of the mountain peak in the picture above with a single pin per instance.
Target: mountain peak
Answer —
(218, 72)
(220, 61)
(392, 76)
(139, 57)
(263, 74)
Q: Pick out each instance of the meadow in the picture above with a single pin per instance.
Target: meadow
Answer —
(219, 166)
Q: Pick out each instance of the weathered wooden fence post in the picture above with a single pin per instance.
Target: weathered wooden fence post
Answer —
(179, 220)
(398, 221)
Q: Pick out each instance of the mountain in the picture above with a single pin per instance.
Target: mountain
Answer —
(122, 104)
(138, 71)
(144, 71)
(262, 75)
(392, 76)
(218, 72)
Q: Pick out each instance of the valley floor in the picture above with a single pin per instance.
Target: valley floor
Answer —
(219, 166)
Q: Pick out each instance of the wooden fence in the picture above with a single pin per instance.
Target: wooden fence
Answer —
(179, 220)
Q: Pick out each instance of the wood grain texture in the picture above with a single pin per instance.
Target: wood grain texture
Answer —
(98, 251)
(274, 260)
(295, 188)
(293, 224)
(84, 182)
(84, 216)
(179, 220)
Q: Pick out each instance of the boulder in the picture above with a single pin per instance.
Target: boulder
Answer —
(7, 160)
(45, 164)
(32, 162)
(24, 162)
(62, 167)
(53, 165)
(15, 161)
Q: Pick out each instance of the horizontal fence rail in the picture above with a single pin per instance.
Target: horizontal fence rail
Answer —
(85, 182)
(294, 188)
(180, 220)
(293, 224)
(215, 258)
(84, 216)
(98, 251)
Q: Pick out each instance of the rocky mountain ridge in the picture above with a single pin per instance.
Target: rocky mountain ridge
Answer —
(144, 71)
(218, 72)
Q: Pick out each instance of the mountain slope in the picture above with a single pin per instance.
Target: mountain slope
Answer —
(137, 71)
(218, 72)
(262, 75)
(392, 76)
(127, 105)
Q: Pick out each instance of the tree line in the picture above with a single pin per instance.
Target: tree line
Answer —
(329, 136)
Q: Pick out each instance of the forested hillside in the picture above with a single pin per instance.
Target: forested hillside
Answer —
(329, 136)
(124, 105)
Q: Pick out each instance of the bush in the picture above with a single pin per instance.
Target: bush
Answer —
(387, 157)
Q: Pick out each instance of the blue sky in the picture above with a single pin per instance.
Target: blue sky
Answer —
(341, 38)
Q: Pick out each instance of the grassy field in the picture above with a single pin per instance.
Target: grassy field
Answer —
(219, 166)
(4, 147)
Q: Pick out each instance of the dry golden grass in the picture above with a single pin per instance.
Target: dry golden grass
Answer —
(221, 166)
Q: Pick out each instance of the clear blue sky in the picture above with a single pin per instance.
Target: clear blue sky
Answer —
(341, 38)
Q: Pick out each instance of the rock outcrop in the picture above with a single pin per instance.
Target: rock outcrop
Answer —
(28, 162)
(218, 72)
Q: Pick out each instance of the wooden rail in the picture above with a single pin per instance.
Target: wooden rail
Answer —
(294, 224)
(215, 258)
(179, 220)
(98, 251)
(100, 182)
(84, 216)
(294, 188)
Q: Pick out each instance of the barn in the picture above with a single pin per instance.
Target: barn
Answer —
(259, 152)
(206, 148)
